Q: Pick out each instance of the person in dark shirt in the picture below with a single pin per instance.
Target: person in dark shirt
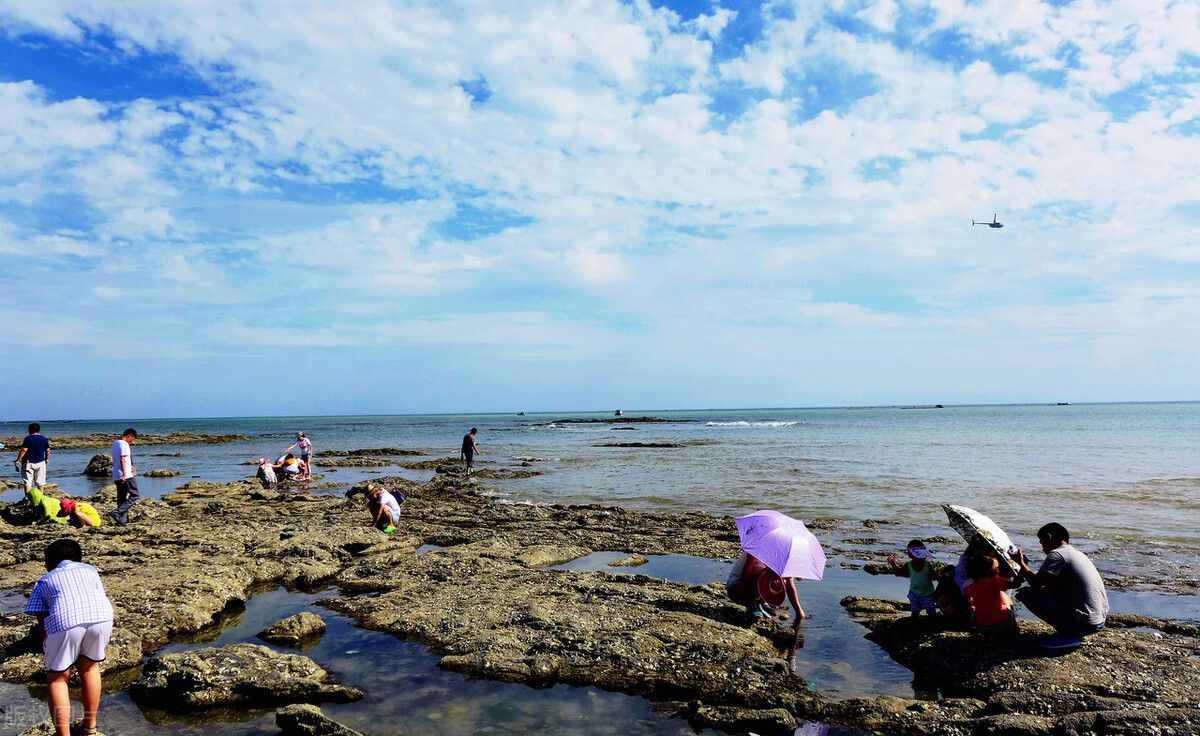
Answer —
(34, 458)
(469, 451)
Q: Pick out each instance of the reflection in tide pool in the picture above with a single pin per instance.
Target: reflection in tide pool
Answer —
(406, 693)
(830, 652)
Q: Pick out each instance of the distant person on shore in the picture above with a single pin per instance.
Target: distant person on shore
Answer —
(33, 459)
(76, 621)
(755, 586)
(1066, 592)
(919, 572)
(385, 508)
(266, 473)
(469, 451)
(306, 453)
(78, 514)
(987, 595)
(125, 477)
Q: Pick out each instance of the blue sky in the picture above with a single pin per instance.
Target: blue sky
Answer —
(236, 208)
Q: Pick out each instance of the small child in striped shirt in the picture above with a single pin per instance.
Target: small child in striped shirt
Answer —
(76, 619)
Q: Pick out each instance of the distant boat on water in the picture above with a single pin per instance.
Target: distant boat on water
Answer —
(1063, 403)
(926, 406)
(619, 413)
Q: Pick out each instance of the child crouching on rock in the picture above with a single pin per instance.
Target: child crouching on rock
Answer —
(384, 505)
(76, 619)
(919, 572)
(991, 608)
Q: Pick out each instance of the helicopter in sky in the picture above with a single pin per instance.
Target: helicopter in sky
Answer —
(993, 224)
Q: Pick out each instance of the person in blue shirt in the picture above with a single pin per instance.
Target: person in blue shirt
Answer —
(76, 619)
(34, 458)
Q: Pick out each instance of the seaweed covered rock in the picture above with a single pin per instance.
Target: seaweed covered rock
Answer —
(299, 631)
(244, 675)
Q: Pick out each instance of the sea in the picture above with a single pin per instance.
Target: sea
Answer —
(1123, 478)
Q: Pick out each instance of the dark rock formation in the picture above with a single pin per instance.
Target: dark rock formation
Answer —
(640, 444)
(385, 451)
(299, 631)
(629, 561)
(160, 473)
(308, 720)
(100, 466)
(245, 675)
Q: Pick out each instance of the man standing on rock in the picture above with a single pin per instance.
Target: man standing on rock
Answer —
(34, 458)
(125, 477)
(469, 451)
(1066, 592)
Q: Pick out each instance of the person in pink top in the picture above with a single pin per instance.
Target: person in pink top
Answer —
(306, 452)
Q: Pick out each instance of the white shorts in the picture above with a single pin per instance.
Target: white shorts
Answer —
(34, 474)
(64, 647)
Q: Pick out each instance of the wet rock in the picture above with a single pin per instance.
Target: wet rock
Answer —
(243, 675)
(299, 631)
(1118, 682)
(544, 555)
(353, 462)
(100, 466)
(738, 720)
(160, 473)
(630, 561)
(491, 615)
(385, 451)
(46, 728)
(308, 720)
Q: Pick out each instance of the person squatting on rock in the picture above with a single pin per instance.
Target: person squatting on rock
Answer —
(385, 508)
(991, 608)
(78, 514)
(753, 585)
(290, 466)
(125, 477)
(266, 473)
(1066, 592)
(33, 459)
(76, 620)
(919, 572)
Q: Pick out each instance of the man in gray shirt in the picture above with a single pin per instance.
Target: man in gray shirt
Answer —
(1066, 592)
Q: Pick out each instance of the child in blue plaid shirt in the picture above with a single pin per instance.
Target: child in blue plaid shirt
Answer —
(76, 619)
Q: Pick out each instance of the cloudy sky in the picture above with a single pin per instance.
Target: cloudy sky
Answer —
(392, 206)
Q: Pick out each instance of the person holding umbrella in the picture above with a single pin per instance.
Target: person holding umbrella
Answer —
(760, 589)
(777, 549)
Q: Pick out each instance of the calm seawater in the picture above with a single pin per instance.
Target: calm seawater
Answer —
(1123, 478)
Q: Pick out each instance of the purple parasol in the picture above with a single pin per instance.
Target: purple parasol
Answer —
(783, 544)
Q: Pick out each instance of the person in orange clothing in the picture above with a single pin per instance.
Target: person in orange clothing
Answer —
(991, 607)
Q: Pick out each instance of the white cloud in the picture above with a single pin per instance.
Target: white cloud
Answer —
(630, 174)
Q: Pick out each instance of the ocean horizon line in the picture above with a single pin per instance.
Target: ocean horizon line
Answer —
(609, 412)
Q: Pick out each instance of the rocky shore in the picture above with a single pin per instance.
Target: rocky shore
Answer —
(487, 604)
(101, 440)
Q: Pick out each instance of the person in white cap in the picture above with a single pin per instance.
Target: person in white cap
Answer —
(920, 577)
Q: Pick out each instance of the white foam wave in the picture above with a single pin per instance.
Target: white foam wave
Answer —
(752, 424)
